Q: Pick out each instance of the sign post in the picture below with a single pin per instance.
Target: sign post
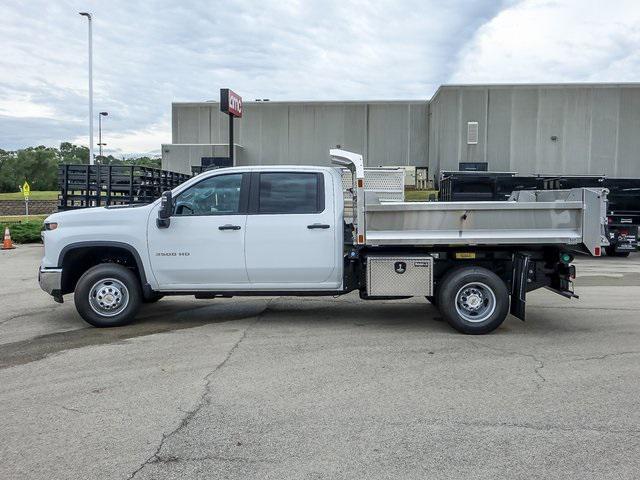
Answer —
(26, 191)
(231, 104)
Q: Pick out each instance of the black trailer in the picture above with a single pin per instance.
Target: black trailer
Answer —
(83, 186)
(623, 208)
(461, 186)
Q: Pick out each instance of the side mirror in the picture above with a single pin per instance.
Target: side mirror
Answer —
(166, 209)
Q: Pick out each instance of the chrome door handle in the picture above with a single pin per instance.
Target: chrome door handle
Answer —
(318, 225)
(229, 227)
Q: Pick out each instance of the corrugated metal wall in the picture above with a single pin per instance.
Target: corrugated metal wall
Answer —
(572, 129)
(387, 133)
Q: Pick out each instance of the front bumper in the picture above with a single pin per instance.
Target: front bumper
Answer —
(50, 280)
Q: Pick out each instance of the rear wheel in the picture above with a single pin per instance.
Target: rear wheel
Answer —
(108, 295)
(473, 300)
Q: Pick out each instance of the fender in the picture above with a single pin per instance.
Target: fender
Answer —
(147, 291)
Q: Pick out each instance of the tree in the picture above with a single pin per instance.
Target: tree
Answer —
(39, 165)
(73, 154)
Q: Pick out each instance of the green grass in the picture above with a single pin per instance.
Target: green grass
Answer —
(21, 218)
(419, 195)
(45, 195)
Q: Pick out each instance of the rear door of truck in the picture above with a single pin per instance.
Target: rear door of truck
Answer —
(292, 235)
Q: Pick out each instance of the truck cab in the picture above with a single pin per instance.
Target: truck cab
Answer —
(270, 229)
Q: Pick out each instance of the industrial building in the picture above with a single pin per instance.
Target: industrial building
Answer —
(560, 128)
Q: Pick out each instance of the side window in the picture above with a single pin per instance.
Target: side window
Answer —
(219, 195)
(291, 193)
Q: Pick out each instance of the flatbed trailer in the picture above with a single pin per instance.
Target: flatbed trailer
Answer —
(85, 186)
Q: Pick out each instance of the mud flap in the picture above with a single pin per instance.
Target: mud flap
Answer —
(519, 285)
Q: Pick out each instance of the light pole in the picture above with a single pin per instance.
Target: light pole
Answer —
(91, 159)
(100, 144)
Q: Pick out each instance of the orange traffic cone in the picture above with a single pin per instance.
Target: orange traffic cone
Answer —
(7, 244)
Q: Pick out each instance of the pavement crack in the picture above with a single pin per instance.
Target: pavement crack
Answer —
(202, 401)
(538, 364)
(606, 355)
(70, 409)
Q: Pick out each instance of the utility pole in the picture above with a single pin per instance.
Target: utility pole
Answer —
(91, 158)
(100, 144)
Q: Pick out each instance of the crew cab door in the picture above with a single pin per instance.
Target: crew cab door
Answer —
(293, 238)
(203, 247)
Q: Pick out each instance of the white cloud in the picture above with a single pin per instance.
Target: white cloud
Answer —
(148, 54)
(555, 41)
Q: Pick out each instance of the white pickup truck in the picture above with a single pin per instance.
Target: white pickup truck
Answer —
(281, 230)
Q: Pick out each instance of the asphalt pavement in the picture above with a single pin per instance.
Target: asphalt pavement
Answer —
(258, 388)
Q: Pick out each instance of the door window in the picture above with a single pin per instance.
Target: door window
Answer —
(219, 195)
(286, 192)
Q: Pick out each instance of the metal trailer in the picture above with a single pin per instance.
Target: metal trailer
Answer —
(623, 210)
(84, 186)
(623, 207)
(490, 186)
(525, 240)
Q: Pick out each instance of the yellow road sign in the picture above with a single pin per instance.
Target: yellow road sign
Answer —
(26, 189)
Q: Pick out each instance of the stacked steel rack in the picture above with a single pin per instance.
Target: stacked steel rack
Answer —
(83, 186)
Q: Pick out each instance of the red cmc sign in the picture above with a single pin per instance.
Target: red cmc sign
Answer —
(230, 102)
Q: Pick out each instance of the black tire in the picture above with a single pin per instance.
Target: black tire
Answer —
(611, 252)
(153, 298)
(107, 281)
(480, 285)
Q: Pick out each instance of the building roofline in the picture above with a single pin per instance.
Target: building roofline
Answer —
(306, 102)
(447, 86)
(426, 100)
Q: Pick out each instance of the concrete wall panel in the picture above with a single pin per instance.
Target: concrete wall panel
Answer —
(499, 129)
(605, 115)
(473, 108)
(524, 134)
(418, 141)
(388, 126)
(628, 163)
(550, 124)
(577, 130)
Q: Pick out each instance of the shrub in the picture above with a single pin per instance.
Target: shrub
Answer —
(24, 232)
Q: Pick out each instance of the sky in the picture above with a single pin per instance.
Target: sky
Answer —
(148, 54)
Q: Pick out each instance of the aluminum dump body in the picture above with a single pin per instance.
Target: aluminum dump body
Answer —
(569, 217)
(575, 217)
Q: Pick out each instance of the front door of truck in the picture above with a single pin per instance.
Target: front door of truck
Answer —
(203, 247)
(293, 237)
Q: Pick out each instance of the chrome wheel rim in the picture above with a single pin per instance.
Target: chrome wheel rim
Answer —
(475, 302)
(108, 297)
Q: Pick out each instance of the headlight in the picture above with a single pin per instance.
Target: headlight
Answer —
(50, 225)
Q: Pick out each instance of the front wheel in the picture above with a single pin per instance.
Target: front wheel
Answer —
(473, 300)
(108, 295)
